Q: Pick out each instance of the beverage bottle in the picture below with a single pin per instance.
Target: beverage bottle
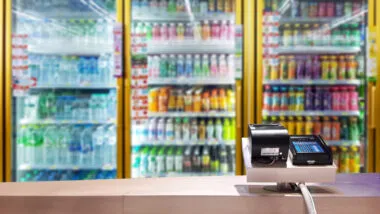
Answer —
(348, 8)
(50, 141)
(326, 35)
(344, 99)
(283, 68)
(356, 7)
(213, 65)
(161, 161)
(172, 32)
(215, 30)
(224, 30)
(353, 129)
(153, 6)
(178, 129)
(223, 68)
(202, 130)
(354, 156)
(153, 100)
(330, 12)
(267, 98)
(180, 102)
(294, 8)
(218, 130)
(214, 100)
(110, 150)
(335, 98)
(206, 30)
(172, 6)
(136, 160)
(203, 6)
(163, 6)
(180, 31)
(197, 66)
(178, 160)
(231, 160)
(180, 6)
(75, 145)
(171, 66)
(195, 6)
(300, 71)
(233, 129)
(189, 32)
(144, 155)
(313, 9)
(210, 129)
(205, 160)
(291, 126)
(186, 129)
(226, 129)
(325, 67)
(161, 129)
(223, 158)
(291, 68)
(196, 159)
(300, 126)
(222, 100)
(197, 31)
(148, 31)
(211, 6)
(172, 101)
(214, 164)
(317, 126)
(274, 69)
(322, 4)
(98, 140)
(187, 160)
(309, 99)
(22, 142)
(164, 33)
(284, 98)
(155, 31)
(86, 145)
(300, 99)
(197, 100)
(327, 103)
(335, 129)
(346, 35)
(194, 130)
(169, 160)
(188, 100)
(103, 69)
(360, 68)
(339, 8)
(189, 66)
(287, 36)
(304, 9)
(342, 68)
(316, 68)
(275, 98)
(326, 128)
(144, 6)
(180, 66)
(152, 162)
(169, 129)
(309, 126)
(231, 66)
(353, 98)
(337, 37)
(352, 66)
(308, 68)
(205, 66)
(206, 101)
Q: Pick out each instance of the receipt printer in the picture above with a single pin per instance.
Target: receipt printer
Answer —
(269, 145)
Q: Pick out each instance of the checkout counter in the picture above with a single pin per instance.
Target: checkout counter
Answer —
(351, 193)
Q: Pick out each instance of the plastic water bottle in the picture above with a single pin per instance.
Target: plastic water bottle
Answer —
(86, 145)
(103, 69)
(82, 69)
(64, 139)
(50, 152)
(223, 69)
(93, 70)
(75, 146)
(231, 65)
(98, 144)
(100, 31)
(189, 66)
(21, 144)
(110, 146)
(46, 68)
(111, 104)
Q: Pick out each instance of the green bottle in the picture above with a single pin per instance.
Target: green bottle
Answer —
(226, 129)
(354, 129)
(144, 161)
(197, 66)
(148, 31)
(344, 129)
(205, 66)
(169, 160)
(161, 161)
(172, 7)
(136, 160)
(152, 162)
(178, 162)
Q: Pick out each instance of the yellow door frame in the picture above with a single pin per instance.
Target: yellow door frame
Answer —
(259, 60)
(2, 90)
(377, 95)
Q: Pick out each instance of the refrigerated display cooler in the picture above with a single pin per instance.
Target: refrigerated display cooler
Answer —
(312, 73)
(183, 97)
(61, 104)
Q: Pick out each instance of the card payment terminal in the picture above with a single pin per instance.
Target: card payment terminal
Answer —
(309, 150)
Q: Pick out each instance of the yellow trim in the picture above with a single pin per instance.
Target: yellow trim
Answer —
(120, 109)
(370, 128)
(127, 88)
(8, 90)
(377, 95)
(238, 146)
(1, 88)
(238, 13)
(259, 68)
(249, 62)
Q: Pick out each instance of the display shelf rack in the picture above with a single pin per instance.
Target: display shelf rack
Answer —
(317, 50)
(192, 81)
(183, 142)
(312, 82)
(190, 47)
(343, 142)
(73, 86)
(23, 167)
(311, 113)
(192, 114)
(181, 16)
(70, 48)
(64, 122)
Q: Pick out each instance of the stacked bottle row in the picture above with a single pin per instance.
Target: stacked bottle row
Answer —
(85, 145)
(330, 128)
(191, 65)
(325, 67)
(83, 31)
(346, 35)
(186, 130)
(324, 8)
(48, 105)
(346, 158)
(196, 31)
(194, 99)
(173, 6)
(64, 175)
(157, 161)
(336, 98)
(71, 5)
(64, 70)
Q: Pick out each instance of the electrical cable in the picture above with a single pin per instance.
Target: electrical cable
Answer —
(307, 198)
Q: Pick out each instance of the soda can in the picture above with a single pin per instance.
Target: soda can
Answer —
(317, 126)
(300, 126)
(309, 126)
(284, 99)
(300, 99)
(291, 126)
(326, 128)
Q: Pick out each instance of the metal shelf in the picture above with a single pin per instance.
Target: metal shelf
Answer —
(192, 114)
(343, 143)
(311, 113)
(311, 82)
(184, 142)
(23, 167)
(317, 50)
(181, 16)
(192, 81)
(69, 86)
(188, 174)
(65, 122)
(189, 47)
(65, 48)
(305, 20)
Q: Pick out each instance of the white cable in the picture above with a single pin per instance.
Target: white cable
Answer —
(307, 198)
